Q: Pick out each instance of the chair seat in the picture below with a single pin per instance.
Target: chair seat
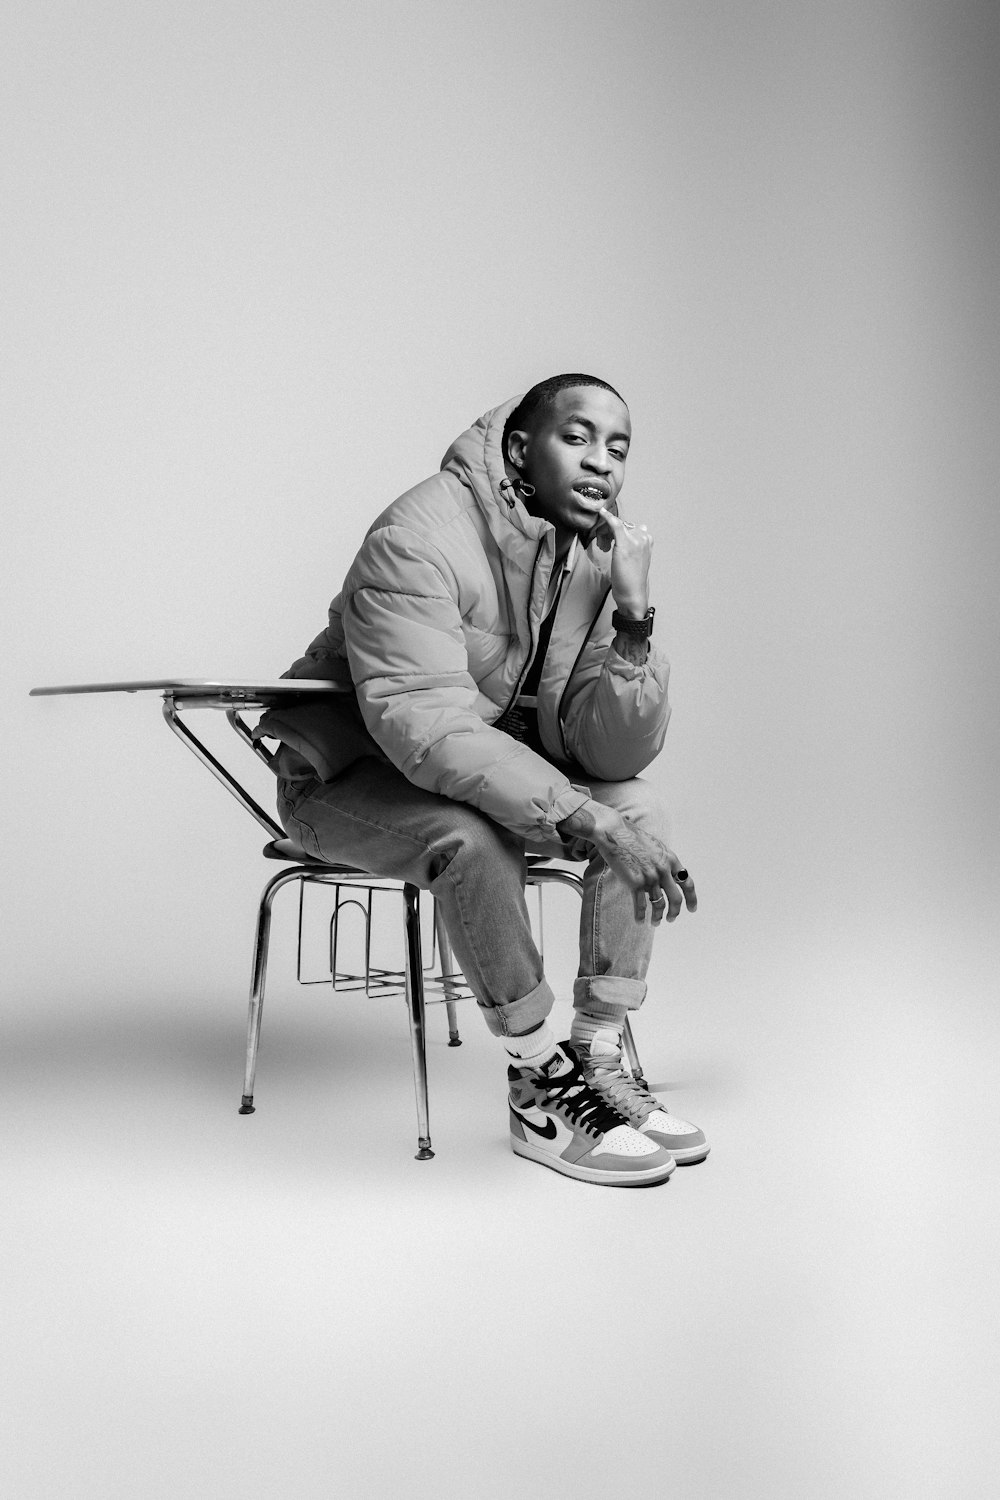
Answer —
(288, 849)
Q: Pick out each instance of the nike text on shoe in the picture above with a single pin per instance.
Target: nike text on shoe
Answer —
(557, 1119)
(602, 1067)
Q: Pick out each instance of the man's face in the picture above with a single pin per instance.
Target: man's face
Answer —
(575, 458)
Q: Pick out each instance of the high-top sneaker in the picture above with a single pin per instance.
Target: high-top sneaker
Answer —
(557, 1119)
(601, 1062)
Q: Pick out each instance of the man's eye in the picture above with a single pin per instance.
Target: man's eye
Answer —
(617, 453)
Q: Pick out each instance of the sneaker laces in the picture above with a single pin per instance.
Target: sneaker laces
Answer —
(630, 1098)
(584, 1105)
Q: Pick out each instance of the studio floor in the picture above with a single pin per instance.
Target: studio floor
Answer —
(289, 1305)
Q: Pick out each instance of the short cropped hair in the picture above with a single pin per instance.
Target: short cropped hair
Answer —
(540, 398)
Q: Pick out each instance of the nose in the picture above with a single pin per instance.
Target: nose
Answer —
(596, 459)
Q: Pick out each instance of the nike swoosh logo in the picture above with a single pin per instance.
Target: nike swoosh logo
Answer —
(547, 1131)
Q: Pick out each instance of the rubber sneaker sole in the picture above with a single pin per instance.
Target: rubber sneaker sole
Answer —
(689, 1158)
(684, 1156)
(633, 1176)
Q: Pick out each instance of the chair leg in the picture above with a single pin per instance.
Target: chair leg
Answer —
(632, 1055)
(261, 943)
(415, 1005)
(447, 967)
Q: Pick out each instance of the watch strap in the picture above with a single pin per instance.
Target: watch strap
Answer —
(641, 630)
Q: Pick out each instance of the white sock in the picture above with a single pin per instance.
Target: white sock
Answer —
(588, 1030)
(534, 1049)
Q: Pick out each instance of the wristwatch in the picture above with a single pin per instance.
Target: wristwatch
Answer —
(640, 630)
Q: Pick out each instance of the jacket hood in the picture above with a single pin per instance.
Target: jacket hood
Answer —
(476, 458)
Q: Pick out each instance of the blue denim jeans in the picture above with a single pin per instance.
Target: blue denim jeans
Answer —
(372, 817)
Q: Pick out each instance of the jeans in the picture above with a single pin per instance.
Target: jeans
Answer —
(372, 817)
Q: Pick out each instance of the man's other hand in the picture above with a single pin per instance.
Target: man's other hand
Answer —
(640, 859)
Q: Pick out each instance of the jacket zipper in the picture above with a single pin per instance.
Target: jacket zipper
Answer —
(569, 679)
(532, 644)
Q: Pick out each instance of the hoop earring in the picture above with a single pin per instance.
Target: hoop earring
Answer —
(527, 490)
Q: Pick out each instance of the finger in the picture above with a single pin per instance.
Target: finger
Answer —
(601, 533)
(618, 524)
(614, 523)
(640, 531)
(686, 884)
(658, 904)
(674, 898)
(666, 893)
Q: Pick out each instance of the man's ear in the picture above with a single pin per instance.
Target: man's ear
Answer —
(517, 448)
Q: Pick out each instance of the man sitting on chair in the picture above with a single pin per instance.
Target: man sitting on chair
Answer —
(501, 695)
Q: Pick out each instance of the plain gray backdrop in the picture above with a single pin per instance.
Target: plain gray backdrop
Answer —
(261, 263)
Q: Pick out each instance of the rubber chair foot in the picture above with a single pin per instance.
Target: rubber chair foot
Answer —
(246, 1108)
(425, 1153)
(454, 1041)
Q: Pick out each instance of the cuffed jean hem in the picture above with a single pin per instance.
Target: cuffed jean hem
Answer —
(605, 996)
(515, 1017)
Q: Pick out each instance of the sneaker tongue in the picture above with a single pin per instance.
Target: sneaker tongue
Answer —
(558, 1064)
(605, 1044)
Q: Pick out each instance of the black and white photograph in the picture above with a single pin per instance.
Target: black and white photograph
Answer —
(501, 623)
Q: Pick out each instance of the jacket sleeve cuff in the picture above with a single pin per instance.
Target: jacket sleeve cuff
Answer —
(653, 666)
(567, 803)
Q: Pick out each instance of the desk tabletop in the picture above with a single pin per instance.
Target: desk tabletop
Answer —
(191, 689)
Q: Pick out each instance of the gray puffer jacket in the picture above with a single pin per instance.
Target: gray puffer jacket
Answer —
(432, 633)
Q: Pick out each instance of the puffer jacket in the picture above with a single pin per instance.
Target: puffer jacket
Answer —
(433, 631)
